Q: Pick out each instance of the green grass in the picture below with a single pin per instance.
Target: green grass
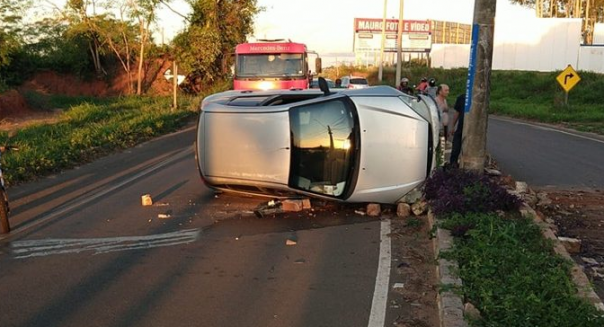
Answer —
(510, 273)
(535, 96)
(89, 130)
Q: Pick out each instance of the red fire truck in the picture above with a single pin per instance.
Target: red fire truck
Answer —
(273, 64)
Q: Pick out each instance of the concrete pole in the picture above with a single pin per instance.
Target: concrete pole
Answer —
(475, 121)
(384, 25)
(399, 33)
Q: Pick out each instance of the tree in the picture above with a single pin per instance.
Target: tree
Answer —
(10, 28)
(215, 28)
(144, 12)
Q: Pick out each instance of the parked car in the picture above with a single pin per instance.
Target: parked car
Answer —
(366, 145)
(354, 82)
(315, 83)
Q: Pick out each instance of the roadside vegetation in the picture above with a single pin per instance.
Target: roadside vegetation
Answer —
(534, 96)
(89, 128)
(509, 272)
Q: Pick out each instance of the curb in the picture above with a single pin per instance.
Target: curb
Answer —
(450, 305)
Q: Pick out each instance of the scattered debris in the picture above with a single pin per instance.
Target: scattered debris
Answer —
(590, 261)
(164, 216)
(373, 209)
(359, 212)
(572, 245)
(300, 261)
(146, 200)
(290, 242)
(398, 286)
(403, 210)
(292, 205)
(471, 311)
(419, 208)
(161, 204)
(492, 172)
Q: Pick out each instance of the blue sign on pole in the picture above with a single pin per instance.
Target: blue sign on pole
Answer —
(471, 69)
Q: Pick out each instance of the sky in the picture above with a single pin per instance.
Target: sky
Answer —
(326, 26)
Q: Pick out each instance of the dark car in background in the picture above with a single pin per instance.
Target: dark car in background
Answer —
(315, 83)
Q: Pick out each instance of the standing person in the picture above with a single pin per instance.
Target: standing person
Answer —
(432, 88)
(405, 87)
(421, 88)
(457, 129)
(441, 99)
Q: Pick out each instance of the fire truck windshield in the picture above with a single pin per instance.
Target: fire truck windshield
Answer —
(270, 65)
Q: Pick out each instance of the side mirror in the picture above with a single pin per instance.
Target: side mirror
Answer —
(318, 65)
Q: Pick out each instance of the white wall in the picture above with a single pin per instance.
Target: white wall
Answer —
(590, 58)
(546, 44)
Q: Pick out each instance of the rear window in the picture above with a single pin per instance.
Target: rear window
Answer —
(360, 81)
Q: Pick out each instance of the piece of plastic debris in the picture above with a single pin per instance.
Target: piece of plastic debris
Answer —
(146, 200)
(397, 286)
(299, 261)
(290, 242)
(359, 212)
(163, 215)
(161, 204)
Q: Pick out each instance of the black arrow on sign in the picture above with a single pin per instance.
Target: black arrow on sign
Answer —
(570, 75)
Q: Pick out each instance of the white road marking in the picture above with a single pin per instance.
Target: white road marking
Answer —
(381, 288)
(92, 197)
(44, 247)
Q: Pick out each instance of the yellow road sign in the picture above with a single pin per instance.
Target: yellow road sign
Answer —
(568, 78)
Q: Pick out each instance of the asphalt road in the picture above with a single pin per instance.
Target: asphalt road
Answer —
(85, 252)
(545, 156)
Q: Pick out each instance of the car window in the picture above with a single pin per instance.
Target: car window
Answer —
(323, 145)
(359, 81)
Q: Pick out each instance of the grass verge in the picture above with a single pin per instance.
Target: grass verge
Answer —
(90, 128)
(535, 96)
(508, 270)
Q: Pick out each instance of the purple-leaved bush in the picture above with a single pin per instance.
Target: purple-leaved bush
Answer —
(461, 191)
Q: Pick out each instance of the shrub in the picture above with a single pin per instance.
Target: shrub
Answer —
(460, 191)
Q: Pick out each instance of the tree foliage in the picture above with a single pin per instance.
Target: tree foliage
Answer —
(215, 27)
(10, 34)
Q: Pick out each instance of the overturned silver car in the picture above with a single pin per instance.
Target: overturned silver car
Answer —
(365, 145)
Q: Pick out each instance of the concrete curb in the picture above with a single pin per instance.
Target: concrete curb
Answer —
(450, 305)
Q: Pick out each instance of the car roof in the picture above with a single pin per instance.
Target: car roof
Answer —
(259, 98)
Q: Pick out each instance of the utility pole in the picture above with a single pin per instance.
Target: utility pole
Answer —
(474, 141)
(384, 25)
(399, 33)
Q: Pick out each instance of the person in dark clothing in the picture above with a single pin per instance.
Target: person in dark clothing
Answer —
(457, 131)
(405, 87)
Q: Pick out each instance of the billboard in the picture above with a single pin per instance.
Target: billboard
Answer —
(416, 36)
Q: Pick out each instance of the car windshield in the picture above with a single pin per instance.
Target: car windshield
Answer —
(359, 81)
(272, 65)
(315, 83)
(323, 146)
